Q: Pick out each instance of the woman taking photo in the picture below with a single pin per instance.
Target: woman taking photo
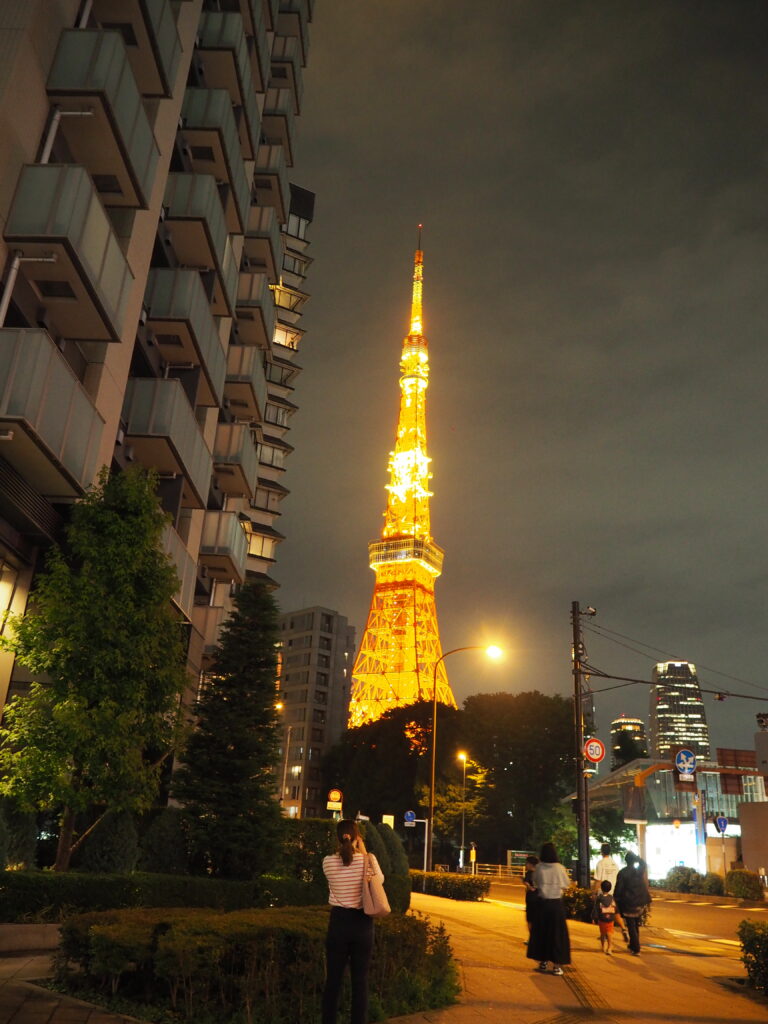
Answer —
(350, 930)
(549, 941)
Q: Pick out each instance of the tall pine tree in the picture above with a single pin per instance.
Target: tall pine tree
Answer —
(226, 782)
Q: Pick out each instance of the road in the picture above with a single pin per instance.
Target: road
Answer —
(683, 918)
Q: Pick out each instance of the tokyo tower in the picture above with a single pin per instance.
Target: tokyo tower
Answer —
(400, 648)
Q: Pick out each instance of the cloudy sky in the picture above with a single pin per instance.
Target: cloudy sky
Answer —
(592, 176)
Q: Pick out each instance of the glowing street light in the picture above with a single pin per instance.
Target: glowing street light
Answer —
(463, 758)
(492, 652)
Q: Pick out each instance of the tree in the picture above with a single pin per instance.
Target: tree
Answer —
(102, 633)
(226, 782)
(607, 825)
(628, 747)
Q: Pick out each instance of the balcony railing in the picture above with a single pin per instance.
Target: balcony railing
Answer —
(186, 568)
(235, 461)
(224, 546)
(278, 124)
(270, 181)
(179, 314)
(51, 429)
(263, 242)
(293, 20)
(200, 237)
(224, 50)
(255, 310)
(246, 386)
(161, 427)
(286, 68)
(91, 71)
(211, 134)
(56, 211)
(155, 54)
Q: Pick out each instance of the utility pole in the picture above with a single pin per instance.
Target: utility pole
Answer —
(582, 794)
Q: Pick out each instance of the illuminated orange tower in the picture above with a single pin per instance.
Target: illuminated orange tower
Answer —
(401, 648)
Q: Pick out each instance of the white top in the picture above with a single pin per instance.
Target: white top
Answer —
(606, 869)
(345, 881)
(550, 880)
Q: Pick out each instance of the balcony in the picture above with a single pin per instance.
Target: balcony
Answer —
(278, 125)
(208, 620)
(270, 182)
(186, 569)
(235, 461)
(286, 70)
(148, 28)
(289, 302)
(199, 234)
(245, 387)
(91, 72)
(213, 144)
(184, 331)
(51, 431)
(293, 20)
(161, 427)
(255, 310)
(56, 211)
(270, 13)
(224, 51)
(224, 546)
(263, 242)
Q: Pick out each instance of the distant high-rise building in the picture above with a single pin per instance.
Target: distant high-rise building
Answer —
(317, 648)
(627, 740)
(677, 717)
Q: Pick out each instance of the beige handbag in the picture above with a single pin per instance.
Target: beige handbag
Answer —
(375, 902)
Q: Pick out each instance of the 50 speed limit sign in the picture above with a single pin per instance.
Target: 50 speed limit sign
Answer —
(594, 750)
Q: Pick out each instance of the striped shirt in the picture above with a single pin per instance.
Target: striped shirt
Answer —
(345, 881)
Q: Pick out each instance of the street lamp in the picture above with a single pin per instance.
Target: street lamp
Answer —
(463, 759)
(494, 653)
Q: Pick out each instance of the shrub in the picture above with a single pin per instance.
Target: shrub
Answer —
(22, 835)
(451, 886)
(308, 841)
(397, 855)
(578, 903)
(375, 845)
(112, 847)
(712, 884)
(744, 884)
(754, 952)
(682, 879)
(268, 963)
(163, 848)
(4, 841)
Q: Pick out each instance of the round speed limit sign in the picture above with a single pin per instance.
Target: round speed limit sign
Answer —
(594, 750)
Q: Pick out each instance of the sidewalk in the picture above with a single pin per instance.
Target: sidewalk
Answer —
(674, 981)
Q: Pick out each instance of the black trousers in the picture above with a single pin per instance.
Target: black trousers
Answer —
(633, 927)
(349, 938)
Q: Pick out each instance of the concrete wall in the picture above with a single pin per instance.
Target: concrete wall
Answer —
(754, 836)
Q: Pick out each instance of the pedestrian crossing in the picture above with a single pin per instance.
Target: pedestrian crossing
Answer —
(714, 906)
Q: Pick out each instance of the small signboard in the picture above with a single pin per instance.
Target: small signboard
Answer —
(410, 819)
(722, 823)
(594, 750)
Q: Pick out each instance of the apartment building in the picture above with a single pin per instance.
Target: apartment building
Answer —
(153, 253)
(317, 650)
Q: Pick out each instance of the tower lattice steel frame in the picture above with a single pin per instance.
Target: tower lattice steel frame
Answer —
(399, 658)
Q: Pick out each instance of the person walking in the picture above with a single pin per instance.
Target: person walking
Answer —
(531, 893)
(549, 941)
(603, 915)
(607, 870)
(632, 897)
(350, 929)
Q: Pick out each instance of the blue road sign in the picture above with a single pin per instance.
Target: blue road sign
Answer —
(685, 762)
(410, 816)
(722, 823)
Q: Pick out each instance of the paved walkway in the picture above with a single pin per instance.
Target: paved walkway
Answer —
(676, 979)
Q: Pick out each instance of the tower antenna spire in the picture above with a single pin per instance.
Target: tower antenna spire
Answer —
(417, 317)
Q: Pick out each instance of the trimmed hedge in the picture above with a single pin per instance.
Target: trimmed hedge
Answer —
(754, 952)
(262, 964)
(451, 886)
(42, 896)
(744, 884)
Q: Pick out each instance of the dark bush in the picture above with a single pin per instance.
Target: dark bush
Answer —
(712, 884)
(164, 846)
(269, 963)
(112, 847)
(22, 835)
(4, 841)
(397, 855)
(578, 903)
(375, 845)
(451, 886)
(754, 952)
(744, 884)
(308, 841)
(682, 879)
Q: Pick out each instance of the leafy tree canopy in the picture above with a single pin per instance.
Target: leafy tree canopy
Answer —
(107, 650)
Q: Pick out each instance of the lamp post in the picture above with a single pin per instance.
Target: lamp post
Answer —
(493, 652)
(463, 759)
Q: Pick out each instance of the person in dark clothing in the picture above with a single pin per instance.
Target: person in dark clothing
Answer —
(531, 892)
(632, 897)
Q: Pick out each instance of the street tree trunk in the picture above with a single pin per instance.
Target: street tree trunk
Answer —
(66, 832)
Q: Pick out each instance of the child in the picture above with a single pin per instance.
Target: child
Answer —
(603, 914)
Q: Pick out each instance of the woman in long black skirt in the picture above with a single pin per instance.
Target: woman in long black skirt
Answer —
(549, 941)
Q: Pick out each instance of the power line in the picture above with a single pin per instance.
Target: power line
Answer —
(719, 694)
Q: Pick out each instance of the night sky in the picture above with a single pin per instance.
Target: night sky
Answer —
(592, 177)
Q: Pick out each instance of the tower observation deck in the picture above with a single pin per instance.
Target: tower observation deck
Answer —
(400, 648)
